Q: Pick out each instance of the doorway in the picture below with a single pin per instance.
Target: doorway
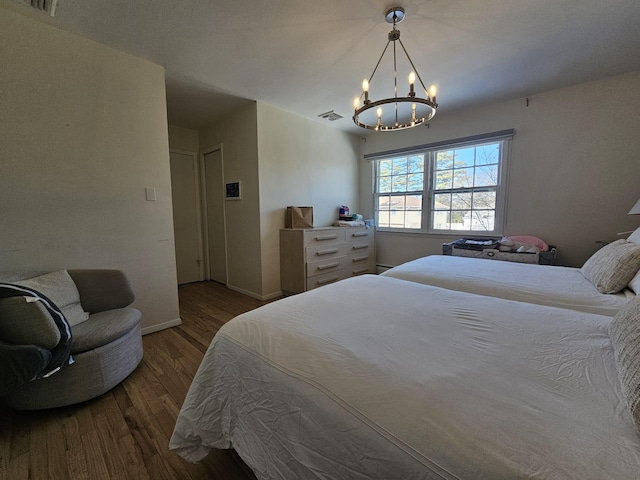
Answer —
(187, 226)
(214, 218)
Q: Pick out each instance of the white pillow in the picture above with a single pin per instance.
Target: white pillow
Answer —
(635, 237)
(612, 267)
(634, 284)
(625, 338)
(60, 289)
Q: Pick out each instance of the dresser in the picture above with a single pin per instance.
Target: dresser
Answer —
(312, 257)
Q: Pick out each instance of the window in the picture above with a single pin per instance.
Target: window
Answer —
(457, 186)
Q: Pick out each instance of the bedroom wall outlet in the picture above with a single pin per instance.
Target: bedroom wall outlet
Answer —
(150, 193)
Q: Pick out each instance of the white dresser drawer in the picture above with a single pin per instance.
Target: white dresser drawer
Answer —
(359, 249)
(360, 257)
(331, 236)
(323, 252)
(362, 269)
(360, 236)
(326, 265)
(325, 279)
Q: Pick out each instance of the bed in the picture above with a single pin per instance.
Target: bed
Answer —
(430, 383)
(564, 287)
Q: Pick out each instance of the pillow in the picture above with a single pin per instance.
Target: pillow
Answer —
(634, 284)
(624, 332)
(27, 323)
(530, 240)
(60, 289)
(612, 267)
(635, 237)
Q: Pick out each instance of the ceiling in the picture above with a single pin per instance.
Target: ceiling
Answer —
(311, 57)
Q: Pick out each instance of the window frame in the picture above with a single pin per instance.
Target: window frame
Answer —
(504, 138)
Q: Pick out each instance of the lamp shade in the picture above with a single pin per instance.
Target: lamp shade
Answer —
(635, 210)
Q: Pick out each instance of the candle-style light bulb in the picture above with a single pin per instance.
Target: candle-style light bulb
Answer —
(379, 124)
(365, 89)
(432, 93)
(356, 102)
(412, 80)
(413, 114)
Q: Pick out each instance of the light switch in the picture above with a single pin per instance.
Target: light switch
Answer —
(150, 193)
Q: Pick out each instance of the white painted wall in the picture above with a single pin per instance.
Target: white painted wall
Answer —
(301, 163)
(84, 131)
(574, 172)
(239, 139)
(184, 139)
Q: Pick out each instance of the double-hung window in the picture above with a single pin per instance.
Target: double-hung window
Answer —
(440, 188)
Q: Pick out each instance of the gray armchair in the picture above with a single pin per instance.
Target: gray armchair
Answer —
(105, 348)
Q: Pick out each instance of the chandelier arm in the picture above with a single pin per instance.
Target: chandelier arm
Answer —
(379, 60)
(414, 67)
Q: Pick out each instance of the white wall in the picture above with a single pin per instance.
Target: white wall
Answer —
(574, 171)
(239, 139)
(84, 131)
(301, 163)
(184, 139)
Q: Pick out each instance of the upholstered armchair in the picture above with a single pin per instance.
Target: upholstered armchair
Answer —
(105, 341)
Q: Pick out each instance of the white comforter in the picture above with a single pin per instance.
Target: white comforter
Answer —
(375, 377)
(563, 287)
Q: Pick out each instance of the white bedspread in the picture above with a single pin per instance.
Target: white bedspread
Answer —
(563, 287)
(375, 377)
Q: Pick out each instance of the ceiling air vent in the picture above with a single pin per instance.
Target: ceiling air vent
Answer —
(331, 115)
(48, 6)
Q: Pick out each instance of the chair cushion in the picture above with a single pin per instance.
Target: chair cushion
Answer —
(20, 364)
(60, 289)
(27, 323)
(103, 328)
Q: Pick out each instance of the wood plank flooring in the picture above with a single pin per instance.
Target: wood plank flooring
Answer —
(124, 434)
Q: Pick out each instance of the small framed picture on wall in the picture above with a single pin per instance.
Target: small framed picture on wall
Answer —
(232, 191)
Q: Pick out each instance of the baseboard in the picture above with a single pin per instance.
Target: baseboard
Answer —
(263, 298)
(161, 326)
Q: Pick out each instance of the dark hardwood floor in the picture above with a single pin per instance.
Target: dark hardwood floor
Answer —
(124, 434)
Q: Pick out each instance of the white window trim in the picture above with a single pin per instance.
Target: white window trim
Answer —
(505, 136)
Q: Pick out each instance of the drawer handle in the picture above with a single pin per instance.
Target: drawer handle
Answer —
(328, 280)
(360, 259)
(326, 237)
(360, 271)
(360, 234)
(327, 252)
(358, 247)
(327, 266)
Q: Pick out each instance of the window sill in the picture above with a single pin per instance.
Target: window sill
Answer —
(442, 235)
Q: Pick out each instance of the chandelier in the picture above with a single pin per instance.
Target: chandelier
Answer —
(404, 112)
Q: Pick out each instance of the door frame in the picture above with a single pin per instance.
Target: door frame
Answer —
(198, 204)
(205, 223)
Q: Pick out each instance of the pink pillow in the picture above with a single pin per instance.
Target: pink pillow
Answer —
(529, 240)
